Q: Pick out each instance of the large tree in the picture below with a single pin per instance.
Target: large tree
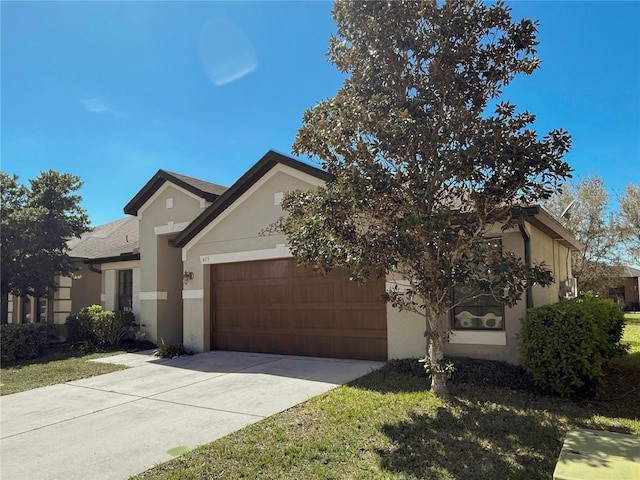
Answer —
(630, 222)
(424, 158)
(37, 222)
(583, 208)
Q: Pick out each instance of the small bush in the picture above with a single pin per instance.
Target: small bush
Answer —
(98, 327)
(166, 350)
(80, 326)
(107, 329)
(563, 346)
(23, 341)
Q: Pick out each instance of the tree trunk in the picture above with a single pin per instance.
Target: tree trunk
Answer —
(434, 349)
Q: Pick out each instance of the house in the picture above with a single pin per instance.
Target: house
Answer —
(108, 262)
(626, 292)
(217, 274)
(113, 244)
(209, 267)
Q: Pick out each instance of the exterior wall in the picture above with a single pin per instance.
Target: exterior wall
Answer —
(405, 330)
(85, 288)
(62, 300)
(555, 256)
(164, 215)
(631, 292)
(247, 230)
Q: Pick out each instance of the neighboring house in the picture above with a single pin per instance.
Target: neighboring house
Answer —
(219, 275)
(626, 294)
(109, 246)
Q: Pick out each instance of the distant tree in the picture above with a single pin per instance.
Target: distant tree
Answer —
(630, 222)
(36, 224)
(583, 208)
(421, 168)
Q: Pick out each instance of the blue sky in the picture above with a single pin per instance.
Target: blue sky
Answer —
(114, 91)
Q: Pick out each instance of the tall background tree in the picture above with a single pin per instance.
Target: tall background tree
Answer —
(36, 224)
(630, 222)
(424, 157)
(583, 207)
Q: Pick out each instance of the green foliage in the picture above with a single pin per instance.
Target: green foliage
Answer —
(583, 208)
(630, 221)
(80, 326)
(37, 223)
(423, 156)
(98, 327)
(437, 368)
(564, 346)
(22, 341)
(168, 350)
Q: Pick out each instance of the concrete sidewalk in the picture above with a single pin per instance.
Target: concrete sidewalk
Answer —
(119, 424)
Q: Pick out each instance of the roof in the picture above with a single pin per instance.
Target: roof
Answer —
(544, 221)
(112, 239)
(207, 190)
(266, 163)
(628, 271)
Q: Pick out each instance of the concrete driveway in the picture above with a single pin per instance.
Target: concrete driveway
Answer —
(119, 424)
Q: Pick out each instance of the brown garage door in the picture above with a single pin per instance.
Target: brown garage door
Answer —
(274, 306)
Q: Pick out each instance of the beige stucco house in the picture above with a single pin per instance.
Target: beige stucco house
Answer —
(215, 273)
(209, 267)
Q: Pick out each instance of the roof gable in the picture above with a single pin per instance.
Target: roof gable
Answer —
(206, 190)
(255, 173)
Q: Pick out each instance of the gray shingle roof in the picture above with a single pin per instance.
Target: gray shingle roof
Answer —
(207, 190)
(108, 240)
(201, 185)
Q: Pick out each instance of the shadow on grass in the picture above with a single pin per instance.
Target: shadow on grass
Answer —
(473, 440)
(497, 424)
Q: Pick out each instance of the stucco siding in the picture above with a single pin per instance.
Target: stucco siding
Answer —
(85, 289)
(556, 257)
(249, 225)
(166, 213)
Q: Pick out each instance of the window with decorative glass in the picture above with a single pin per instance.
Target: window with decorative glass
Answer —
(477, 310)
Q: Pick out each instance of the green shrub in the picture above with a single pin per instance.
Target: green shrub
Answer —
(563, 346)
(98, 327)
(80, 326)
(23, 341)
(167, 350)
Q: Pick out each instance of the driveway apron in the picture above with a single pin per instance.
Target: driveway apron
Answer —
(119, 424)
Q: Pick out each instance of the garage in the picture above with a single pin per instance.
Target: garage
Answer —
(274, 306)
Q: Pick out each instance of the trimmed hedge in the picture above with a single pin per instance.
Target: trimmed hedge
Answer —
(23, 341)
(563, 346)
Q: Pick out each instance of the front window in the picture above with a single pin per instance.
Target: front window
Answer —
(125, 290)
(475, 310)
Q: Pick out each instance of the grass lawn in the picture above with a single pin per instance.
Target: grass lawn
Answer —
(632, 317)
(386, 426)
(54, 367)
